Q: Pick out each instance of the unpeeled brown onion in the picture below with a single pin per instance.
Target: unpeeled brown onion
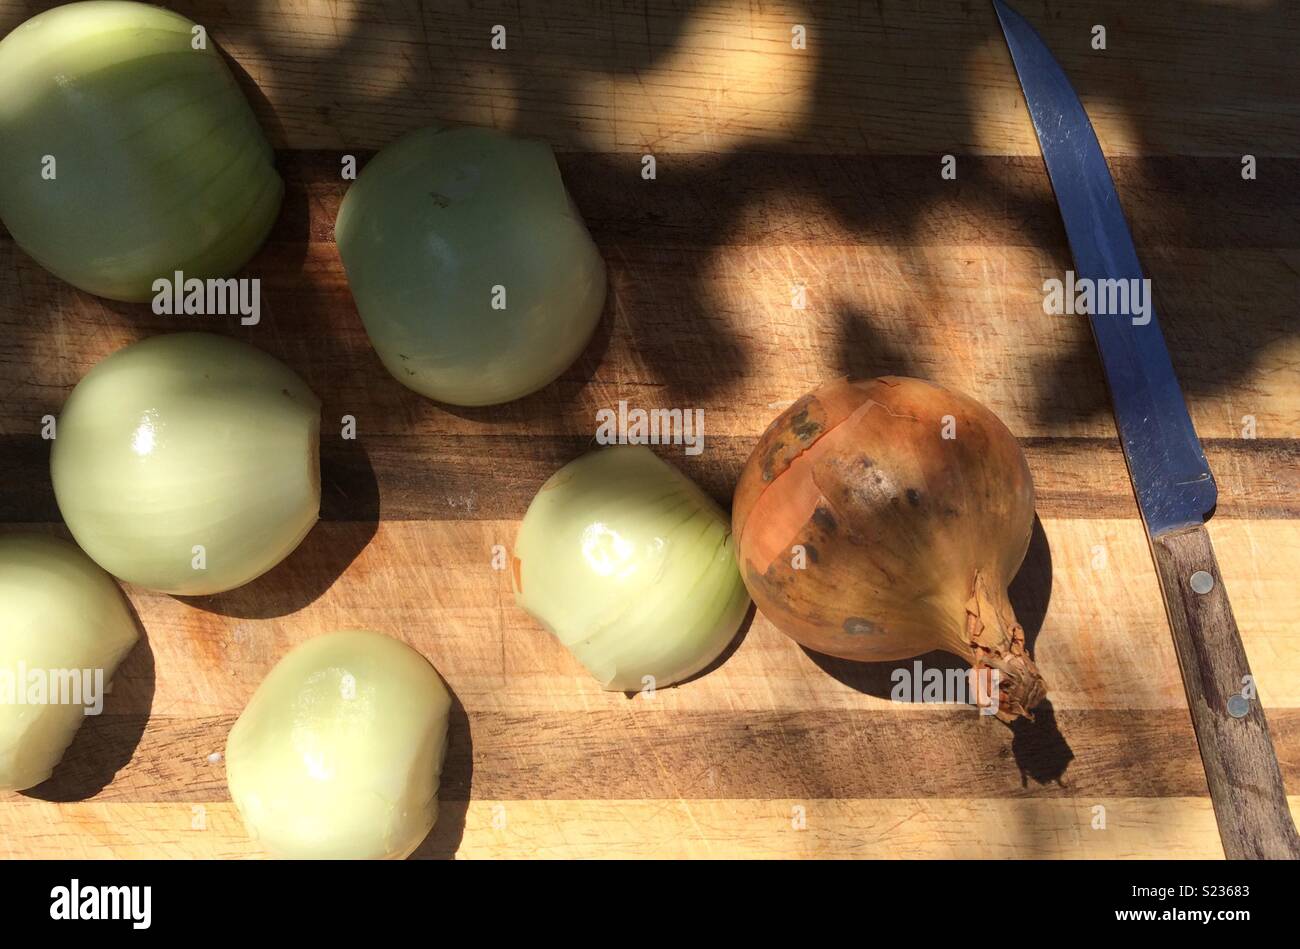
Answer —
(865, 533)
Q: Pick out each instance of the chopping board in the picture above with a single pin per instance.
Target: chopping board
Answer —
(798, 226)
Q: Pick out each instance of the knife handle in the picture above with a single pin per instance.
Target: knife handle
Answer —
(1246, 786)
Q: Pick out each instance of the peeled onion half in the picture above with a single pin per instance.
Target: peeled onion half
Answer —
(882, 519)
(339, 752)
(632, 567)
(188, 463)
(471, 268)
(127, 154)
(60, 617)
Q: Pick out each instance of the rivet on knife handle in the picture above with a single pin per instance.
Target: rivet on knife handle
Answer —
(1246, 785)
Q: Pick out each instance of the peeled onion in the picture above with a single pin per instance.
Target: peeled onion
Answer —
(632, 567)
(867, 534)
(442, 229)
(339, 752)
(188, 463)
(60, 616)
(159, 163)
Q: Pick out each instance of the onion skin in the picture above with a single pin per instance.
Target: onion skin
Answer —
(188, 439)
(339, 753)
(910, 539)
(160, 163)
(438, 219)
(632, 567)
(58, 611)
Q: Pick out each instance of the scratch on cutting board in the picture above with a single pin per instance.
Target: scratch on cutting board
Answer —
(675, 789)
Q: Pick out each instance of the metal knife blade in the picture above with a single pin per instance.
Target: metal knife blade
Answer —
(1170, 476)
(1172, 482)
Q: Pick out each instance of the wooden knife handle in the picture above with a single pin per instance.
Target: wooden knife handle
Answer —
(1245, 781)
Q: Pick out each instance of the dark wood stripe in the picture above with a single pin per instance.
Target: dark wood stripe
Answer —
(494, 477)
(640, 754)
(706, 199)
(900, 200)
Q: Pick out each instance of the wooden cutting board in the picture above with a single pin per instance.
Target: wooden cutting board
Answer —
(776, 169)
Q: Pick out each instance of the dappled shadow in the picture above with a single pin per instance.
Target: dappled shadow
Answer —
(889, 90)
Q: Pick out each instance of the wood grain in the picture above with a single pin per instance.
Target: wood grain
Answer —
(1103, 828)
(776, 168)
(667, 75)
(1088, 597)
(946, 751)
(442, 477)
(1240, 762)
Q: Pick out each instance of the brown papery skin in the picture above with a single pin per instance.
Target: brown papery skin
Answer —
(909, 539)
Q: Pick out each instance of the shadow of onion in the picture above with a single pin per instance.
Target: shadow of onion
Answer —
(105, 743)
(741, 632)
(349, 519)
(878, 678)
(455, 788)
(1040, 750)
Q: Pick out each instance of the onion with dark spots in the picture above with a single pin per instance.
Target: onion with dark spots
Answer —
(882, 519)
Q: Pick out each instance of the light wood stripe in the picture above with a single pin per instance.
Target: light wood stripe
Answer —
(1135, 828)
(1100, 633)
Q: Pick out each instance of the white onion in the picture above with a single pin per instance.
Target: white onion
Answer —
(632, 567)
(60, 616)
(188, 463)
(340, 750)
(159, 164)
(442, 228)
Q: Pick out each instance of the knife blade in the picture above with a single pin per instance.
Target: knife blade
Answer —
(1174, 488)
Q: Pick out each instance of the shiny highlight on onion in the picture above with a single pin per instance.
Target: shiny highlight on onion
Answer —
(339, 752)
(632, 567)
(188, 463)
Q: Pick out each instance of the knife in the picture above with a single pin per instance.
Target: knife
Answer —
(1171, 479)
